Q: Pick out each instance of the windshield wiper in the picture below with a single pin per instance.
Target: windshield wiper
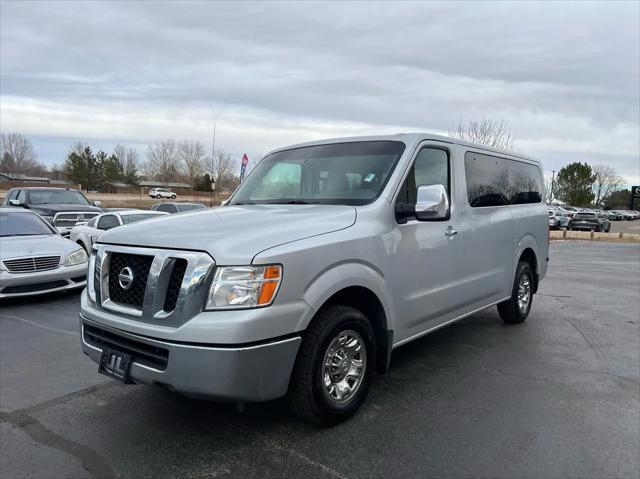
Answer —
(242, 203)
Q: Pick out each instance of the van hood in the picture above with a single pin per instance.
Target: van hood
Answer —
(233, 235)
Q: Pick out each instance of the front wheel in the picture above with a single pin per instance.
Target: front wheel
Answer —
(516, 309)
(173, 197)
(334, 367)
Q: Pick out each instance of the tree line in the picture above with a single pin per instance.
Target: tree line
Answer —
(170, 161)
(167, 161)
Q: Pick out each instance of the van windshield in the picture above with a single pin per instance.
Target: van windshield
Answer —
(341, 173)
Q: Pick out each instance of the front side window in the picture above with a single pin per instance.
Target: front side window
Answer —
(495, 181)
(44, 197)
(167, 208)
(431, 167)
(107, 222)
(341, 173)
(23, 224)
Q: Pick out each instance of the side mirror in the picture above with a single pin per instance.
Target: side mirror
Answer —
(432, 203)
(14, 203)
(97, 203)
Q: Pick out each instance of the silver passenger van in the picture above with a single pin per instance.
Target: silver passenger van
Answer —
(326, 258)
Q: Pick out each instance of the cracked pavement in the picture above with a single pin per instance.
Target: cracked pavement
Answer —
(558, 396)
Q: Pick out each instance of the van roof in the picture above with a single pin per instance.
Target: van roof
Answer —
(412, 138)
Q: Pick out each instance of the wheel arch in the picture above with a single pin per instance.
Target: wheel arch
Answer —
(360, 287)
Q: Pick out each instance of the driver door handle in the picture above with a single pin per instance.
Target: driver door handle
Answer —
(450, 232)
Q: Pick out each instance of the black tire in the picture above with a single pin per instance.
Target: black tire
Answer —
(307, 396)
(173, 197)
(158, 196)
(509, 310)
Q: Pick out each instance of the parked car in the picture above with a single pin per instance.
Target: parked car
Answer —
(170, 207)
(162, 193)
(34, 258)
(569, 211)
(85, 234)
(62, 207)
(608, 215)
(557, 219)
(590, 222)
(327, 257)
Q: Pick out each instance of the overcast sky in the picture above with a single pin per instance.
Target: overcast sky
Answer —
(564, 76)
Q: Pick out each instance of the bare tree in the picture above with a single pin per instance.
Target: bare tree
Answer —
(191, 157)
(17, 155)
(486, 132)
(606, 181)
(162, 162)
(222, 167)
(548, 189)
(129, 159)
(78, 147)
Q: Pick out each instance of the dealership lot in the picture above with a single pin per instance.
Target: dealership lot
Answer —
(556, 396)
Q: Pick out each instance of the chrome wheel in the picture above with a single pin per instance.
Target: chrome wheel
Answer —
(343, 367)
(524, 293)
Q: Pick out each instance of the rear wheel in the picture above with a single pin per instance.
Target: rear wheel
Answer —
(158, 196)
(334, 367)
(173, 197)
(516, 309)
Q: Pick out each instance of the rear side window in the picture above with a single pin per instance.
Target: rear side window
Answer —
(495, 181)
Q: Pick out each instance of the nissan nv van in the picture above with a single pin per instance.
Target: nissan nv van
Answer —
(328, 256)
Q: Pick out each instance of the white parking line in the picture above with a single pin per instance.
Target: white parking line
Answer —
(33, 323)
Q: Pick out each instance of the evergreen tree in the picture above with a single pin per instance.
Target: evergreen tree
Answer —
(574, 184)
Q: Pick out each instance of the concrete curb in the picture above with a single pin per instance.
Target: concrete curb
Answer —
(593, 236)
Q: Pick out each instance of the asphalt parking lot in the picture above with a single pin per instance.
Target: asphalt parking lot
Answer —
(558, 396)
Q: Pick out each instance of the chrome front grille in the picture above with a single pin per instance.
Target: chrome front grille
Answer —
(160, 286)
(32, 265)
(69, 219)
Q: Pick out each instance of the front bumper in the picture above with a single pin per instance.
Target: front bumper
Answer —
(28, 284)
(252, 372)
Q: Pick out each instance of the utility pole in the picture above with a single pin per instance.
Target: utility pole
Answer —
(213, 154)
(553, 178)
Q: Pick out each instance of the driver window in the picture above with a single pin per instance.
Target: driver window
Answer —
(107, 222)
(431, 167)
(22, 197)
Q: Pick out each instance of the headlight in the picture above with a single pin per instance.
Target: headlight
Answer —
(76, 257)
(48, 219)
(244, 286)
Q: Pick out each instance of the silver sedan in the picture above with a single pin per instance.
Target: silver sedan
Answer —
(34, 258)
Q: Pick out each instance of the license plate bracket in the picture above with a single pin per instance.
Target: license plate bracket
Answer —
(116, 365)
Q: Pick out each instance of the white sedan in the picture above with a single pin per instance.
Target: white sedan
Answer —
(85, 234)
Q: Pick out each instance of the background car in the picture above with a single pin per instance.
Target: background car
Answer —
(170, 207)
(162, 193)
(557, 219)
(589, 222)
(62, 207)
(569, 211)
(86, 234)
(34, 258)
